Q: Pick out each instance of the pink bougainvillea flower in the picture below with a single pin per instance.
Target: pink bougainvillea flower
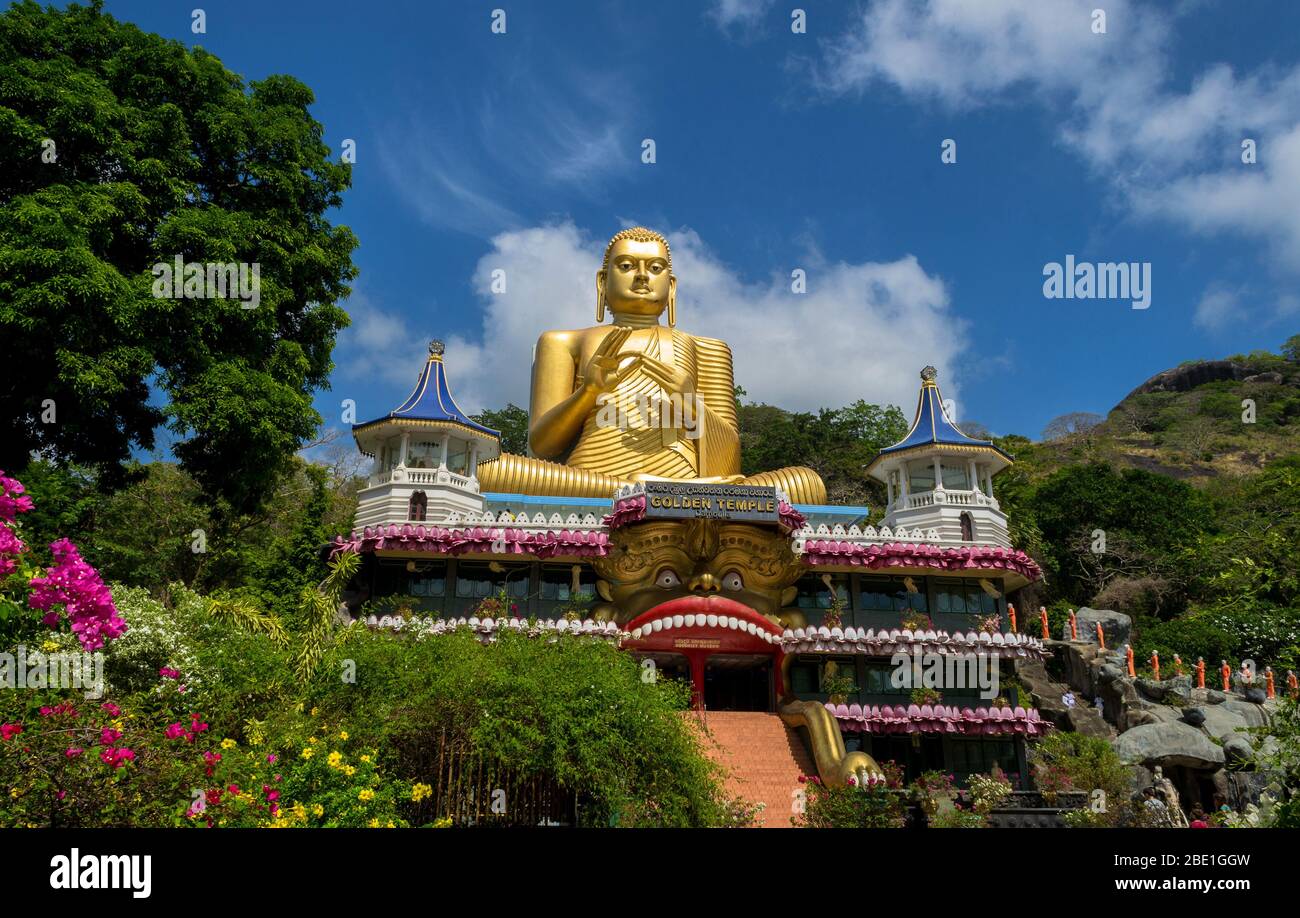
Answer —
(112, 709)
(72, 752)
(117, 757)
(271, 758)
(8, 731)
(175, 731)
(12, 499)
(87, 603)
(108, 736)
(46, 710)
(168, 673)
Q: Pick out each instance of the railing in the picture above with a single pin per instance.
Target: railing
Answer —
(420, 477)
(956, 498)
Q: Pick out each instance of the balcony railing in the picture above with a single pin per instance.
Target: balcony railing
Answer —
(954, 498)
(419, 477)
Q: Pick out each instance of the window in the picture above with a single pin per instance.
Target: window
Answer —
(963, 597)
(812, 592)
(428, 580)
(967, 528)
(955, 478)
(879, 682)
(475, 581)
(920, 476)
(555, 589)
(891, 594)
(418, 506)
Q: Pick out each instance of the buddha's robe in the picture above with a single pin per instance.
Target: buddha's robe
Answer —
(704, 443)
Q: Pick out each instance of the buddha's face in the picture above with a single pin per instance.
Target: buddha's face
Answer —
(636, 279)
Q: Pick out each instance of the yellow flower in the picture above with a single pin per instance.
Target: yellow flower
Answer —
(228, 743)
(313, 711)
(343, 734)
(443, 823)
(391, 825)
(349, 770)
(366, 795)
(317, 810)
(365, 758)
(420, 791)
(49, 646)
(374, 823)
(15, 793)
(308, 753)
(312, 740)
(335, 759)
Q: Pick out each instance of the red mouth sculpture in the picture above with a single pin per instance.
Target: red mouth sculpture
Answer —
(703, 611)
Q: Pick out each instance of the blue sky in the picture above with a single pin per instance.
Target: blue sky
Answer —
(819, 151)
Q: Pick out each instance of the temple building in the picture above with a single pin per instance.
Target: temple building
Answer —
(801, 614)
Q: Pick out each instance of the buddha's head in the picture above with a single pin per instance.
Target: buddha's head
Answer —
(636, 279)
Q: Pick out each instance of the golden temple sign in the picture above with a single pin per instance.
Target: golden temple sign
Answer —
(695, 500)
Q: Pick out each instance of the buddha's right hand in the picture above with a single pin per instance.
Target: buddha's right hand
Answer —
(607, 367)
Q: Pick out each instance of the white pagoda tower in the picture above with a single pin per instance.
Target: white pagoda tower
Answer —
(939, 478)
(426, 455)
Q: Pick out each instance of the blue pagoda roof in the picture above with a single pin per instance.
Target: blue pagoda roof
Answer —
(932, 426)
(431, 400)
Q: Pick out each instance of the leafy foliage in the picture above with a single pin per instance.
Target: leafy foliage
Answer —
(160, 151)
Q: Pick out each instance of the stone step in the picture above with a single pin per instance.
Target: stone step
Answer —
(764, 760)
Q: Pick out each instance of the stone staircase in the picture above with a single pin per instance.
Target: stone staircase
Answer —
(763, 757)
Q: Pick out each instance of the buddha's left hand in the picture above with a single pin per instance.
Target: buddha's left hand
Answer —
(671, 377)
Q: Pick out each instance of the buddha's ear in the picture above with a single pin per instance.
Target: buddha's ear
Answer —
(600, 296)
(672, 301)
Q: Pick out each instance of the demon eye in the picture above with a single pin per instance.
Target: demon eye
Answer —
(733, 581)
(667, 579)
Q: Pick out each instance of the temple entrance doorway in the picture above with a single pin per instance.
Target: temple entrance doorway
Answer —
(738, 682)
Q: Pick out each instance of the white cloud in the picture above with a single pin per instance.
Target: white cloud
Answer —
(1218, 308)
(1168, 152)
(742, 14)
(861, 331)
(511, 142)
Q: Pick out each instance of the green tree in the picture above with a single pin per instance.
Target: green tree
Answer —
(512, 422)
(124, 150)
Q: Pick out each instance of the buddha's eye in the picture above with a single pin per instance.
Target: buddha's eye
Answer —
(733, 581)
(667, 579)
(625, 266)
(657, 268)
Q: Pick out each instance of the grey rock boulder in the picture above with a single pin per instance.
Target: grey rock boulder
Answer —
(1115, 625)
(1168, 744)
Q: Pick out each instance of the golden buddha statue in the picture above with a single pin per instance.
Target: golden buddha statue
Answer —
(634, 400)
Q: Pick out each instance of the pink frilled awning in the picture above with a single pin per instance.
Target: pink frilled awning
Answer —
(631, 509)
(583, 543)
(938, 718)
(906, 554)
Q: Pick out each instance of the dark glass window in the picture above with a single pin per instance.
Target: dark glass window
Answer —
(475, 581)
(890, 594)
(963, 597)
(812, 592)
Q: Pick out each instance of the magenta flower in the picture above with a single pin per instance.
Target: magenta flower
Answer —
(168, 673)
(75, 585)
(112, 709)
(8, 731)
(108, 736)
(175, 731)
(271, 758)
(72, 752)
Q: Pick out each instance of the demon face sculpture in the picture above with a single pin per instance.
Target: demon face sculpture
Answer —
(708, 563)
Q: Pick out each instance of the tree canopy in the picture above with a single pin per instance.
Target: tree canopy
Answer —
(124, 150)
